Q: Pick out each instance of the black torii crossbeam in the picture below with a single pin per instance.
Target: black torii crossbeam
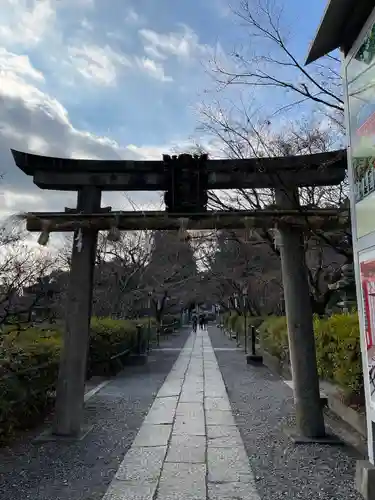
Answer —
(90, 177)
(321, 169)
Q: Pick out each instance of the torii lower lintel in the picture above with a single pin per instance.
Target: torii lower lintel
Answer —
(156, 220)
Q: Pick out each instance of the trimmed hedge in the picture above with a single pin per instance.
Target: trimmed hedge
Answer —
(339, 353)
(236, 322)
(108, 338)
(28, 373)
(337, 341)
(29, 362)
(338, 350)
(169, 322)
(274, 337)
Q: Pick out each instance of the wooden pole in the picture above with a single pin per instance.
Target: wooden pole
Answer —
(72, 373)
(309, 412)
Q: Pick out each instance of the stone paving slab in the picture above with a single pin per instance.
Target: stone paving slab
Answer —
(153, 435)
(164, 402)
(162, 411)
(188, 446)
(120, 491)
(175, 379)
(224, 442)
(190, 450)
(216, 404)
(213, 392)
(182, 481)
(142, 465)
(228, 465)
(189, 425)
(171, 389)
(220, 431)
(193, 410)
(219, 417)
(232, 491)
(191, 397)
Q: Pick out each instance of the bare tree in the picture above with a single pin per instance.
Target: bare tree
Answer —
(133, 276)
(171, 273)
(269, 60)
(119, 267)
(20, 269)
(241, 266)
(119, 273)
(242, 136)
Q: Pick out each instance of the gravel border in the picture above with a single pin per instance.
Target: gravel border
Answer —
(263, 404)
(83, 470)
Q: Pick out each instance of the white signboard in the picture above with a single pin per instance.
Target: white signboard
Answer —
(360, 75)
(367, 276)
(360, 112)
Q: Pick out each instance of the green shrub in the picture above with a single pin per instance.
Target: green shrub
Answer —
(232, 321)
(109, 337)
(339, 352)
(169, 319)
(29, 362)
(28, 373)
(274, 337)
(145, 321)
(236, 323)
(225, 319)
(337, 344)
(169, 322)
(250, 321)
(29, 348)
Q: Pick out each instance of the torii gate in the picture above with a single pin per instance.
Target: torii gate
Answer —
(90, 177)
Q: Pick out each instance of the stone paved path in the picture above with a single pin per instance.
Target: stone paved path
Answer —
(188, 446)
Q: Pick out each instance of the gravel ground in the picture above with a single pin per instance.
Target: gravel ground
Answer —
(263, 404)
(83, 470)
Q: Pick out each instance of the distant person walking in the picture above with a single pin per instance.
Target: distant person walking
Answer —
(202, 321)
(195, 322)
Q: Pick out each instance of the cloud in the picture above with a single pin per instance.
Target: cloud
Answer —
(25, 22)
(32, 120)
(86, 25)
(132, 17)
(153, 68)
(104, 66)
(17, 64)
(209, 145)
(222, 8)
(51, 44)
(183, 44)
(152, 51)
(100, 65)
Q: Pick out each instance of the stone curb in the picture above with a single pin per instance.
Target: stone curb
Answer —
(350, 416)
(345, 413)
(90, 393)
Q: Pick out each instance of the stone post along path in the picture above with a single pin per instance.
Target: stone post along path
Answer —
(188, 446)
